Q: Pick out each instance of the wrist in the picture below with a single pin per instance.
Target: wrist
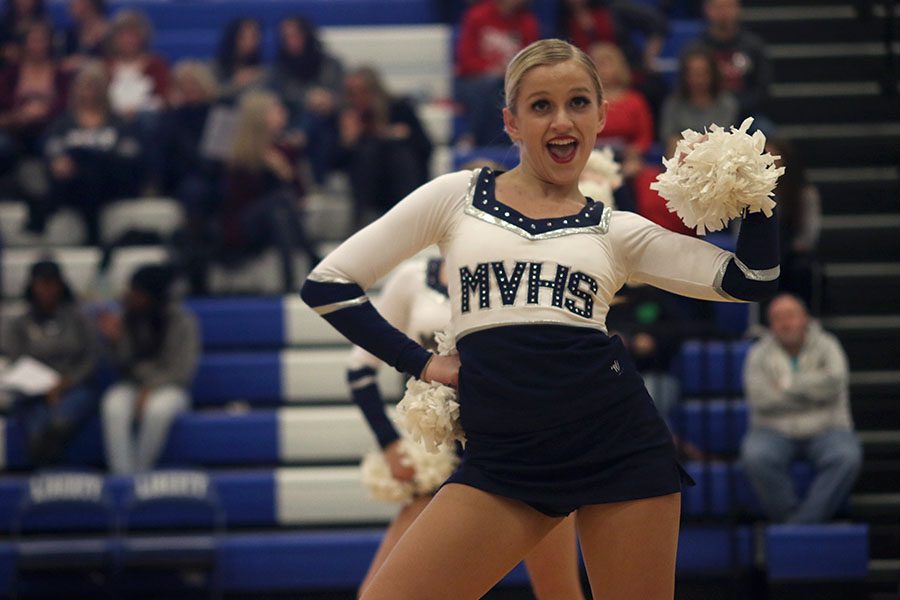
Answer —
(424, 371)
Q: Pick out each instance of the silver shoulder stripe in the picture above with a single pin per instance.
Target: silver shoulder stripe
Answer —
(758, 274)
(335, 306)
(363, 382)
(320, 278)
(717, 282)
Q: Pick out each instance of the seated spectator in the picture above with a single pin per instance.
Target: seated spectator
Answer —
(86, 36)
(699, 100)
(310, 82)
(238, 65)
(32, 93)
(139, 80)
(263, 188)
(18, 16)
(619, 22)
(56, 333)
(155, 344)
(492, 32)
(800, 220)
(383, 145)
(796, 382)
(741, 56)
(93, 157)
(629, 122)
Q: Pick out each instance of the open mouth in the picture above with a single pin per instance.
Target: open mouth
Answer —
(562, 150)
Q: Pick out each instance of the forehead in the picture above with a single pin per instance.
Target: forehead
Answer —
(785, 307)
(559, 77)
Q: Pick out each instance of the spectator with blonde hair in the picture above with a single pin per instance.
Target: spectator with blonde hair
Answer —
(264, 187)
(139, 80)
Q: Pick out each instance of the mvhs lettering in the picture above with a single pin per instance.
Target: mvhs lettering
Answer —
(572, 291)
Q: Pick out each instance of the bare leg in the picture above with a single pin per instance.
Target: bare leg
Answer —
(460, 546)
(553, 565)
(629, 547)
(398, 527)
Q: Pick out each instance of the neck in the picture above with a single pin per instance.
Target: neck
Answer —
(552, 192)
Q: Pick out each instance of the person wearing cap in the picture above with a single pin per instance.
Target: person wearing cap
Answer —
(155, 345)
(55, 332)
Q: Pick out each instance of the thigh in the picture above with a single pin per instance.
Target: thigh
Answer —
(398, 527)
(460, 546)
(166, 402)
(768, 447)
(832, 447)
(629, 547)
(119, 399)
(553, 564)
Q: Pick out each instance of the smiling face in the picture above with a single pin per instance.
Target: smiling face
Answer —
(555, 120)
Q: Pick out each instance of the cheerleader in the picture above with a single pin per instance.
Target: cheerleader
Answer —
(556, 418)
(415, 300)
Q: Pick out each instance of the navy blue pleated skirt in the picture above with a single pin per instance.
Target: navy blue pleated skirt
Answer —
(558, 417)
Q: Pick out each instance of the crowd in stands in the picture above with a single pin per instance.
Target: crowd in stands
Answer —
(90, 114)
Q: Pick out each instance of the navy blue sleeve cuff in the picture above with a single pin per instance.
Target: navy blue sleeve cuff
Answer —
(752, 274)
(346, 307)
(366, 395)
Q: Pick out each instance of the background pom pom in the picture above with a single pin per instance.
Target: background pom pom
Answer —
(715, 176)
(431, 470)
(601, 176)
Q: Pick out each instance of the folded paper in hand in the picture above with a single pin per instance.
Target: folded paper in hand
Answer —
(29, 376)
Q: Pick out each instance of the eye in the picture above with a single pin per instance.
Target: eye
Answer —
(580, 101)
(540, 105)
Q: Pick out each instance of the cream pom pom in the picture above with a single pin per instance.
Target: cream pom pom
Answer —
(431, 470)
(429, 411)
(601, 176)
(710, 181)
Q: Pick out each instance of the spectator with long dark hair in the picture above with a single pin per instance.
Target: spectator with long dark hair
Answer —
(17, 17)
(56, 333)
(87, 34)
(238, 65)
(384, 146)
(155, 344)
(264, 188)
(699, 99)
(310, 82)
(93, 156)
(32, 92)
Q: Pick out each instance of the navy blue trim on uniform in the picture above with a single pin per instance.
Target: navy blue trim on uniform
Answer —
(484, 199)
(433, 276)
(367, 396)
(757, 248)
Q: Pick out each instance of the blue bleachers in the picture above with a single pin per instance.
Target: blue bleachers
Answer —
(817, 552)
(712, 368)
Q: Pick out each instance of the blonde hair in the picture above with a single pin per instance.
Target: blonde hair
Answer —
(252, 136)
(612, 53)
(199, 72)
(94, 73)
(131, 18)
(544, 53)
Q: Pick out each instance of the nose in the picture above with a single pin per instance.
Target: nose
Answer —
(562, 122)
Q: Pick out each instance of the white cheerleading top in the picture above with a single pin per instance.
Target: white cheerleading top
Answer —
(414, 302)
(507, 269)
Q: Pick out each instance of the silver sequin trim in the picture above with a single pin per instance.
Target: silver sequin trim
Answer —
(758, 274)
(602, 227)
(335, 306)
(319, 278)
(717, 282)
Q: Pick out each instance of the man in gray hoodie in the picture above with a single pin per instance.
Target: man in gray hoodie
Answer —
(796, 383)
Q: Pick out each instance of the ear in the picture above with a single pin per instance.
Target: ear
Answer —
(601, 115)
(511, 125)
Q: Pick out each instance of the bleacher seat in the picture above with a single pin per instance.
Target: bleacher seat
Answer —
(79, 265)
(817, 552)
(712, 368)
(716, 426)
(162, 216)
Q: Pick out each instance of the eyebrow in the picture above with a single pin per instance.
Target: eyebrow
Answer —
(581, 90)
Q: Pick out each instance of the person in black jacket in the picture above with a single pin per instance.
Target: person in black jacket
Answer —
(383, 144)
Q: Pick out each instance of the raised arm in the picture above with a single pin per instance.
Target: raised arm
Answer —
(336, 287)
(691, 267)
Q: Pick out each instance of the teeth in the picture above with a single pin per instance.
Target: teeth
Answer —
(561, 142)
